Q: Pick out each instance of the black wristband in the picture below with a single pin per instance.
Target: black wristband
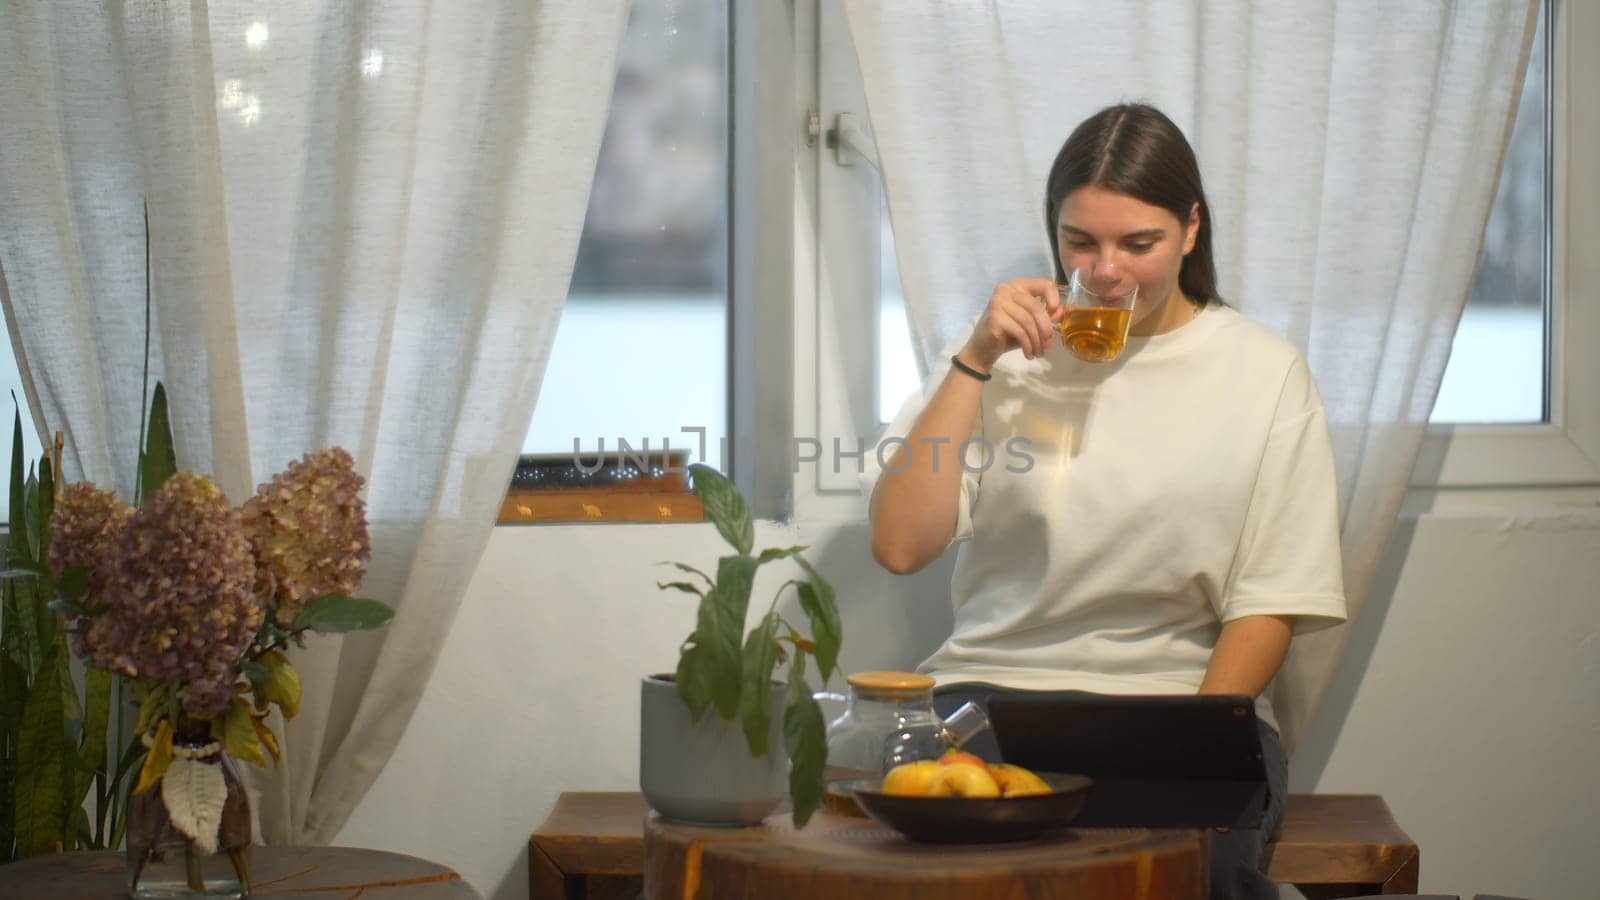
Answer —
(981, 376)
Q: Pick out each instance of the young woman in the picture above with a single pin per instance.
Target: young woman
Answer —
(1159, 524)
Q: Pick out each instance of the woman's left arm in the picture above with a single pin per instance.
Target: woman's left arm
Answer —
(1248, 653)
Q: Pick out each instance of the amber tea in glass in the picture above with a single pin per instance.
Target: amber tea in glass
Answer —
(1099, 311)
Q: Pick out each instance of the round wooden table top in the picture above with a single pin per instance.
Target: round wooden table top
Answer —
(321, 872)
(843, 858)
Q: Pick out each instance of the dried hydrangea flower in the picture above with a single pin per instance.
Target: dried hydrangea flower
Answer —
(83, 527)
(83, 524)
(178, 590)
(308, 526)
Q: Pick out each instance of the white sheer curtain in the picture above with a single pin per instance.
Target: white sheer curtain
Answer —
(363, 219)
(1349, 152)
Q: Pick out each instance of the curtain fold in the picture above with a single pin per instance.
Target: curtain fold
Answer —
(1350, 153)
(363, 220)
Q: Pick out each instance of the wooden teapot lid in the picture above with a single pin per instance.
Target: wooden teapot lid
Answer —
(891, 682)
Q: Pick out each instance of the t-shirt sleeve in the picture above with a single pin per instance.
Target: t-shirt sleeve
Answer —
(894, 439)
(1288, 561)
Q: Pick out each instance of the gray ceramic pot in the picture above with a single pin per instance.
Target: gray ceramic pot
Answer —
(702, 772)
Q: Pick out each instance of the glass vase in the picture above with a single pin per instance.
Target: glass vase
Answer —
(163, 860)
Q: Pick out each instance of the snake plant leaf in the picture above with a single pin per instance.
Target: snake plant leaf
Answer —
(40, 814)
(159, 461)
(18, 538)
(96, 719)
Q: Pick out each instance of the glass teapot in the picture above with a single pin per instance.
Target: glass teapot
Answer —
(890, 720)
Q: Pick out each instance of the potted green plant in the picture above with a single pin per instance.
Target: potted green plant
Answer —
(53, 742)
(716, 734)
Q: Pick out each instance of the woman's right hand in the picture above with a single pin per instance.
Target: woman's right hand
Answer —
(1022, 314)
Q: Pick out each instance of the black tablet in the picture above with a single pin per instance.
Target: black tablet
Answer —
(1157, 761)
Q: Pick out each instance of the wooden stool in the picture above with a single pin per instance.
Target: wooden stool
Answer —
(1333, 845)
(851, 858)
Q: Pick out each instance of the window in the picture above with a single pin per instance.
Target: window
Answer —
(32, 451)
(641, 349)
(1520, 405)
(1499, 364)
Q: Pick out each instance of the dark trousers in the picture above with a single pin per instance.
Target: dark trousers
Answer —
(1235, 853)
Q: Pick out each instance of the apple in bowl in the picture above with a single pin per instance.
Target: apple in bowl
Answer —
(959, 774)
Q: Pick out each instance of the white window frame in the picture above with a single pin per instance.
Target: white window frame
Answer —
(836, 262)
(1563, 453)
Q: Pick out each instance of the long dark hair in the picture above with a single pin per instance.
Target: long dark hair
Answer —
(1134, 149)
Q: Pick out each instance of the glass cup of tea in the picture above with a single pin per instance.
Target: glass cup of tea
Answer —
(1099, 311)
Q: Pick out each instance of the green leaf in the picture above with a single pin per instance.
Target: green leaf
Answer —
(30, 514)
(817, 599)
(685, 567)
(716, 666)
(31, 632)
(159, 460)
(73, 582)
(773, 553)
(71, 709)
(38, 500)
(13, 688)
(722, 625)
(96, 719)
(39, 812)
(256, 672)
(336, 613)
(755, 693)
(725, 507)
(20, 550)
(694, 680)
(805, 737)
(22, 568)
(684, 586)
(155, 701)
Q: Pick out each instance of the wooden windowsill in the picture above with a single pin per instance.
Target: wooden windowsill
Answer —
(573, 505)
(545, 491)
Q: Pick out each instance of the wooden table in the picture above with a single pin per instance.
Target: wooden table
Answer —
(1333, 845)
(323, 872)
(851, 858)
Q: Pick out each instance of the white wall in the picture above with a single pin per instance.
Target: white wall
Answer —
(1470, 696)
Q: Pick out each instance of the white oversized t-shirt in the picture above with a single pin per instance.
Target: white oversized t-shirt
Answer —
(1130, 508)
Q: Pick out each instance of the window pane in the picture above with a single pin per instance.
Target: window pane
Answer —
(11, 383)
(1498, 361)
(642, 347)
